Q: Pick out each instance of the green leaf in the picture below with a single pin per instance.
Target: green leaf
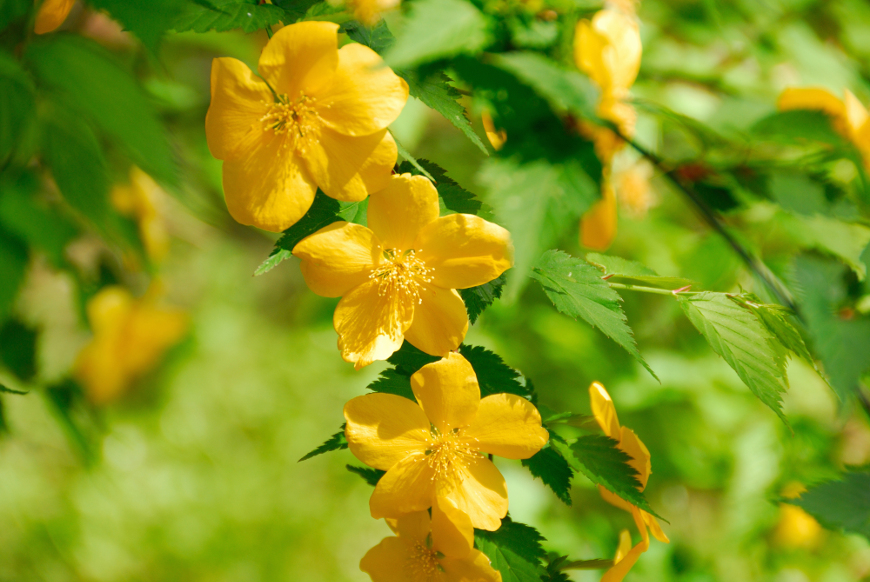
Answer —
(493, 375)
(11, 391)
(551, 467)
(12, 10)
(452, 196)
(743, 342)
(18, 351)
(371, 476)
(298, 9)
(336, 442)
(478, 298)
(277, 257)
(406, 155)
(4, 426)
(437, 29)
(378, 38)
(604, 463)
(844, 240)
(409, 359)
(13, 268)
(229, 15)
(514, 549)
(88, 79)
(147, 19)
(619, 268)
(577, 290)
(840, 505)
(17, 102)
(391, 381)
(799, 126)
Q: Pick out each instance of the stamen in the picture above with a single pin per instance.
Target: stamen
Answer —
(296, 122)
(423, 563)
(402, 272)
(449, 454)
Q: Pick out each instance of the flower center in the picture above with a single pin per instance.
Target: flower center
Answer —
(449, 454)
(402, 272)
(423, 563)
(297, 121)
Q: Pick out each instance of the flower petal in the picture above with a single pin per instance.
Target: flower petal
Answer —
(370, 326)
(640, 457)
(482, 494)
(440, 321)
(615, 500)
(811, 98)
(856, 113)
(655, 527)
(452, 532)
(300, 58)
(603, 410)
(464, 250)
(51, 14)
(598, 225)
(239, 100)
(400, 211)
(364, 96)
(414, 527)
(348, 168)
(385, 561)
(337, 258)
(507, 425)
(383, 429)
(408, 486)
(618, 571)
(267, 188)
(474, 567)
(448, 392)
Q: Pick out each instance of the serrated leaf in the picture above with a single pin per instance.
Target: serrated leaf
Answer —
(514, 550)
(842, 505)
(323, 212)
(391, 381)
(13, 268)
(577, 290)
(229, 15)
(437, 29)
(408, 359)
(378, 38)
(493, 375)
(604, 463)
(619, 268)
(477, 299)
(309, 9)
(336, 442)
(551, 467)
(452, 196)
(743, 342)
(371, 476)
(277, 257)
(406, 155)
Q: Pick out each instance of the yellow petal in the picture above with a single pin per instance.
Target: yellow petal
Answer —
(383, 429)
(399, 212)
(624, 545)
(337, 258)
(814, 99)
(408, 486)
(414, 527)
(476, 566)
(656, 529)
(598, 225)
(370, 326)
(482, 494)
(107, 309)
(608, 49)
(618, 571)
(496, 138)
(603, 410)
(507, 425)
(640, 458)
(233, 123)
(856, 113)
(345, 167)
(300, 58)
(464, 250)
(363, 96)
(267, 188)
(615, 500)
(447, 391)
(587, 50)
(384, 561)
(452, 532)
(440, 321)
(51, 14)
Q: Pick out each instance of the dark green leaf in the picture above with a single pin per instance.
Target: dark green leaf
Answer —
(409, 359)
(452, 196)
(392, 381)
(577, 290)
(66, 401)
(479, 298)
(4, 426)
(493, 375)
(147, 19)
(11, 391)
(552, 468)
(514, 549)
(336, 442)
(18, 349)
(743, 342)
(840, 505)
(619, 268)
(229, 15)
(323, 212)
(371, 476)
(16, 104)
(378, 38)
(297, 9)
(88, 79)
(12, 10)
(13, 267)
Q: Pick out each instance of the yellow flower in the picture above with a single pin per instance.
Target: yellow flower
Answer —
(427, 549)
(605, 414)
(51, 14)
(370, 12)
(598, 225)
(130, 337)
(496, 137)
(849, 116)
(435, 448)
(141, 199)
(796, 528)
(397, 278)
(325, 125)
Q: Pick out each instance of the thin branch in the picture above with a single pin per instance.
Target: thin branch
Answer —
(643, 289)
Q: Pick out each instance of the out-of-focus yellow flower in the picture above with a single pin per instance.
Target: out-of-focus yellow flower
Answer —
(849, 117)
(598, 225)
(141, 199)
(496, 137)
(632, 186)
(370, 12)
(130, 337)
(51, 14)
(437, 446)
(316, 117)
(625, 558)
(426, 549)
(397, 278)
(605, 414)
(796, 528)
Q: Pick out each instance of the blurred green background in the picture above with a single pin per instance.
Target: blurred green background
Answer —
(195, 474)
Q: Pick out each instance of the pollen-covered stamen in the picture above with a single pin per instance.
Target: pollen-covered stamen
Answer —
(297, 121)
(401, 272)
(423, 562)
(449, 454)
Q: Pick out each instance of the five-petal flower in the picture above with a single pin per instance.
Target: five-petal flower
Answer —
(436, 447)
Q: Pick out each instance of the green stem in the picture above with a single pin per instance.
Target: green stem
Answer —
(642, 289)
(269, 31)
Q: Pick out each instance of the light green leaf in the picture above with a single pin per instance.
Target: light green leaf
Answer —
(619, 268)
(406, 155)
(227, 16)
(840, 505)
(577, 290)
(844, 240)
